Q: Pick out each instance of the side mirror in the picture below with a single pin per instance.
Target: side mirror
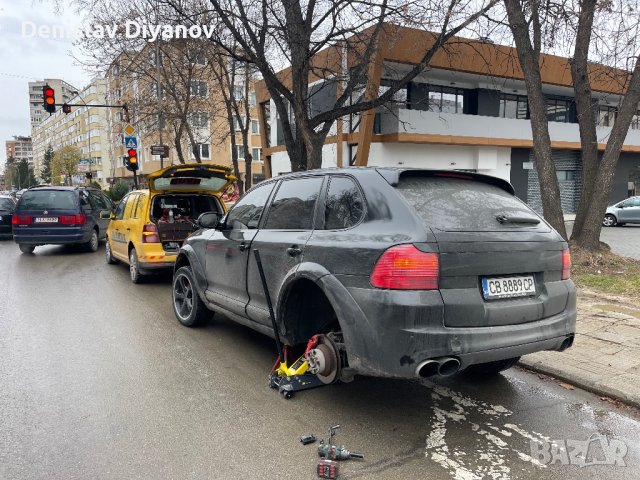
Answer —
(209, 220)
(106, 215)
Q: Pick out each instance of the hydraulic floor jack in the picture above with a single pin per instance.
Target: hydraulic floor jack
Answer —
(318, 366)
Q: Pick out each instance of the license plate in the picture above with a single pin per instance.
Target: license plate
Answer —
(45, 220)
(172, 245)
(508, 287)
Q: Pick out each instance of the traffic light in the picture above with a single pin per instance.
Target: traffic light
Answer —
(66, 108)
(49, 99)
(89, 175)
(131, 162)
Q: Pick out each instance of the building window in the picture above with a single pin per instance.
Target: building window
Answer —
(199, 119)
(240, 150)
(238, 92)
(119, 116)
(152, 58)
(255, 154)
(238, 123)
(252, 99)
(558, 109)
(514, 106)
(199, 58)
(446, 99)
(203, 148)
(607, 116)
(255, 127)
(566, 175)
(199, 88)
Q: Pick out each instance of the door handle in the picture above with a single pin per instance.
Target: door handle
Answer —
(128, 229)
(294, 251)
(242, 247)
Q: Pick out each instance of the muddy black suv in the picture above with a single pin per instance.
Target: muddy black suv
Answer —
(405, 272)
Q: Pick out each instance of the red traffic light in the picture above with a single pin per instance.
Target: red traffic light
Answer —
(48, 92)
(131, 152)
(49, 99)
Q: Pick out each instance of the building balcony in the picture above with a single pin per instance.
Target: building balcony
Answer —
(417, 126)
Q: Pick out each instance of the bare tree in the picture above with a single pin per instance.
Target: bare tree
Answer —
(313, 38)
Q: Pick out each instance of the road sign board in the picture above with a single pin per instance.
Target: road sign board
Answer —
(131, 142)
(129, 130)
(162, 150)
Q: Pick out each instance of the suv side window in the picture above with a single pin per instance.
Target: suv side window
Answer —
(100, 201)
(85, 202)
(247, 212)
(139, 205)
(294, 204)
(345, 205)
(131, 203)
(119, 213)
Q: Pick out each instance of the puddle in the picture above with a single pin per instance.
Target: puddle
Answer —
(619, 309)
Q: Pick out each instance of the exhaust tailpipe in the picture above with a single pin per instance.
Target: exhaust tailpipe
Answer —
(427, 369)
(448, 366)
(566, 343)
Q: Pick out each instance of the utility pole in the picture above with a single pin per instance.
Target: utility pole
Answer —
(158, 83)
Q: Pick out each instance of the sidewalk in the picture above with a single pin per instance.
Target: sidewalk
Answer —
(605, 357)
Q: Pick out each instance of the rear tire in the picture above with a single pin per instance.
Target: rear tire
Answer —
(609, 220)
(26, 248)
(134, 267)
(92, 244)
(189, 309)
(108, 254)
(492, 368)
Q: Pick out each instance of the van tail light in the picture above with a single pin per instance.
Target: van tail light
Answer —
(566, 264)
(21, 219)
(150, 234)
(78, 219)
(404, 267)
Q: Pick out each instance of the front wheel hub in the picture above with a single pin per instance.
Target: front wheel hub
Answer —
(324, 361)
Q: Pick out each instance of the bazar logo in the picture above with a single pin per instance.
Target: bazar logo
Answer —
(597, 450)
(130, 29)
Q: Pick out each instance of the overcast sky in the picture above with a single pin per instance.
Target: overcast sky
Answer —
(26, 56)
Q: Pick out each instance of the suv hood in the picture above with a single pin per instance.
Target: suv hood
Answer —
(212, 179)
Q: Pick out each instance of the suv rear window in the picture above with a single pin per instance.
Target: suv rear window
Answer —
(452, 204)
(47, 199)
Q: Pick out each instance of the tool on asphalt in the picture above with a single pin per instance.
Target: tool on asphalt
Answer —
(307, 439)
(328, 469)
(318, 366)
(330, 451)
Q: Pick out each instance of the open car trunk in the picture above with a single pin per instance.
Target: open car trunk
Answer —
(176, 215)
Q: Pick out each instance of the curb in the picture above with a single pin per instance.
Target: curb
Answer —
(582, 382)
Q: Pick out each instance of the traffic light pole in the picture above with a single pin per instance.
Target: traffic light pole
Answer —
(135, 180)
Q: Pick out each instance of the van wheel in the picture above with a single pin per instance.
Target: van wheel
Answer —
(134, 267)
(189, 309)
(492, 368)
(108, 254)
(92, 244)
(26, 248)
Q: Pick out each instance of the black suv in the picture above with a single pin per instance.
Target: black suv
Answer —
(7, 206)
(404, 272)
(61, 215)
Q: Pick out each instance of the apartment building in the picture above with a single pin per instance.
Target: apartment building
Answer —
(85, 127)
(132, 79)
(64, 92)
(468, 111)
(20, 148)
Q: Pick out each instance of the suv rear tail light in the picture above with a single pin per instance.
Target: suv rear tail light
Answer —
(78, 219)
(21, 219)
(404, 267)
(566, 264)
(150, 234)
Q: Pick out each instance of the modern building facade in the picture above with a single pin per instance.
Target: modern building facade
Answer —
(468, 111)
(64, 92)
(20, 148)
(85, 127)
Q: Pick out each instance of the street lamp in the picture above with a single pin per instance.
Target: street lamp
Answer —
(75, 92)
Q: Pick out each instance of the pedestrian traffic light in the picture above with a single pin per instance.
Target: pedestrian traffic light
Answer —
(66, 108)
(131, 162)
(49, 99)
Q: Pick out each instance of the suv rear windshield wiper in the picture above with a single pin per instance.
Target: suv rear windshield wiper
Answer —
(504, 219)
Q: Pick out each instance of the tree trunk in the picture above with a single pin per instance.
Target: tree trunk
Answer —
(530, 64)
(584, 107)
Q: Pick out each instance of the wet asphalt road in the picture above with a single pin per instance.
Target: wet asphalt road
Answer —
(99, 381)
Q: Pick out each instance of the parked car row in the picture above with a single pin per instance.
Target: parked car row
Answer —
(404, 273)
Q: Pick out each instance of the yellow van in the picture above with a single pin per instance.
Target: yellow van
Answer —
(148, 226)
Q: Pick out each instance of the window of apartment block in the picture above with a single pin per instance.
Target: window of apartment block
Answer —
(199, 88)
(119, 116)
(565, 175)
(446, 99)
(255, 126)
(514, 106)
(199, 58)
(607, 116)
(252, 99)
(238, 123)
(255, 154)
(152, 58)
(238, 92)
(203, 148)
(558, 109)
(240, 150)
(399, 98)
(199, 119)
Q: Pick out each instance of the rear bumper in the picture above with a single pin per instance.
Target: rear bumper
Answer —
(401, 329)
(52, 239)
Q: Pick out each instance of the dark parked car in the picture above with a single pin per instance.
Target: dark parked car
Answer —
(61, 215)
(7, 206)
(406, 272)
(626, 211)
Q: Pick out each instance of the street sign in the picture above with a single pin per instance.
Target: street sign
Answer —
(129, 130)
(83, 167)
(527, 165)
(131, 142)
(162, 150)
(84, 161)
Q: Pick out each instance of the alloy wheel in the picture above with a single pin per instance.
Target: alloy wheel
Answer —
(183, 296)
